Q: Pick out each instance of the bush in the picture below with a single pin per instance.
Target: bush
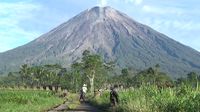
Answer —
(151, 99)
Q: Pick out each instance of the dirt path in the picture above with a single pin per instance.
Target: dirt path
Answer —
(83, 107)
(60, 108)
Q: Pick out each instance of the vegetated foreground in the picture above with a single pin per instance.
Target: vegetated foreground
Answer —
(149, 90)
(152, 99)
(27, 100)
(143, 99)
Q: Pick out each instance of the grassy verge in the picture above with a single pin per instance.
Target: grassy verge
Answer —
(27, 100)
(101, 102)
(151, 99)
(72, 101)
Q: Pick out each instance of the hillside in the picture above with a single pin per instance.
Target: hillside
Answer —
(112, 34)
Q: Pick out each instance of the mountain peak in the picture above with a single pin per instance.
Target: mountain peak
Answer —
(103, 12)
(97, 8)
(110, 33)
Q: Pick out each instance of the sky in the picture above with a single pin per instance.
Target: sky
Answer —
(22, 21)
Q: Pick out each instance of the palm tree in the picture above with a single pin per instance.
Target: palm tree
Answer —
(24, 73)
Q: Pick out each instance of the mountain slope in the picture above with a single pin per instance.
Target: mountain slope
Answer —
(110, 33)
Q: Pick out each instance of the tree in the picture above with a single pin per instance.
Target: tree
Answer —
(76, 75)
(125, 78)
(92, 64)
(61, 76)
(24, 72)
(53, 74)
(157, 69)
(12, 80)
(192, 79)
(180, 81)
(36, 76)
(86, 53)
(149, 76)
(125, 72)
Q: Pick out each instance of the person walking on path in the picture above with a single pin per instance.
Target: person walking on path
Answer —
(83, 93)
(84, 88)
(114, 97)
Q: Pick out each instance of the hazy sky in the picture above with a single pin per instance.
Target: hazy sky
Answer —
(24, 20)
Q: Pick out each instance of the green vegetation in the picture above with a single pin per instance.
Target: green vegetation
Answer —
(27, 100)
(153, 99)
(91, 70)
(147, 90)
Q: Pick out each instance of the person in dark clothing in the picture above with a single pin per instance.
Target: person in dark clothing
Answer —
(114, 97)
(82, 96)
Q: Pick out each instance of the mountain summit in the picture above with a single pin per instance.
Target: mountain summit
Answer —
(110, 33)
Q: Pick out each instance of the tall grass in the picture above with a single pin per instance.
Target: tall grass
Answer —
(27, 100)
(152, 99)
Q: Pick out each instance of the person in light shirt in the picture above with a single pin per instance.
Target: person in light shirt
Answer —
(83, 93)
(84, 88)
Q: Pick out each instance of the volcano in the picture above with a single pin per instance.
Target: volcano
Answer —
(113, 35)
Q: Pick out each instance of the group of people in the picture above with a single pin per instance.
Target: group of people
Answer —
(114, 97)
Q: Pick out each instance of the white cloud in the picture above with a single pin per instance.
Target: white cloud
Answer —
(162, 10)
(11, 15)
(124, 2)
(103, 3)
(136, 2)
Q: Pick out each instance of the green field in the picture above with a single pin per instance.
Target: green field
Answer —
(27, 100)
(151, 99)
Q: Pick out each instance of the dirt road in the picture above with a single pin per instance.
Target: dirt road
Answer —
(83, 107)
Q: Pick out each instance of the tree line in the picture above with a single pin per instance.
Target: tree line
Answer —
(92, 70)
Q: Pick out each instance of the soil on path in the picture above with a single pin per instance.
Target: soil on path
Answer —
(83, 107)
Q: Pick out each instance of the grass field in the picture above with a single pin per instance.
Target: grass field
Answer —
(27, 100)
(143, 99)
(151, 99)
